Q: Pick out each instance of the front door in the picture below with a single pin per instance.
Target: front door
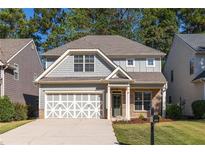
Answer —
(116, 104)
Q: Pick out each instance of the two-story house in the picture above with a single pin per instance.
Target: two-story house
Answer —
(185, 70)
(101, 76)
(19, 66)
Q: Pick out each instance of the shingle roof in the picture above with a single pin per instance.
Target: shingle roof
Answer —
(8, 47)
(200, 76)
(111, 45)
(148, 77)
(139, 77)
(59, 79)
(195, 41)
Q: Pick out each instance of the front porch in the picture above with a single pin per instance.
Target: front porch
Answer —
(126, 101)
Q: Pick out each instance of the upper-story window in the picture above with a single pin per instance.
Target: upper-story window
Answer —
(16, 72)
(191, 67)
(150, 62)
(89, 63)
(130, 62)
(78, 63)
(83, 63)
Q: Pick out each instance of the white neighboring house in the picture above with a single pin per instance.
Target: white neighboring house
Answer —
(102, 76)
(185, 70)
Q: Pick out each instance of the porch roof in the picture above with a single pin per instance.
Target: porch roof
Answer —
(201, 76)
(148, 77)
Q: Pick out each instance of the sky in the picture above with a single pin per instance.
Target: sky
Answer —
(29, 12)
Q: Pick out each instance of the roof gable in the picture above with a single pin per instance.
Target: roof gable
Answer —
(118, 73)
(64, 56)
(10, 47)
(195, 41)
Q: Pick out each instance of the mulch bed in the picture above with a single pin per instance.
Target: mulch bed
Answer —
(140, 121)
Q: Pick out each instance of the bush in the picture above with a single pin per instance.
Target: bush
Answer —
(6, 109)
(21, 111)
(174, 111)
(141, 117)
(198, 108)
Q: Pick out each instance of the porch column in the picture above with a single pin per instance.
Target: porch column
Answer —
(164, 89)
(108, 103)
(128, 103)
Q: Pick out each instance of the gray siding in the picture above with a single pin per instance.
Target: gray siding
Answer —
(68, 87)
(140, 65)
(50, 61)
(182, 86)
(23, 90)
(66, 68)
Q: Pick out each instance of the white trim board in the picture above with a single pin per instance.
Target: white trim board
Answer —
(19, 51)
(115, 71)
(64, 55)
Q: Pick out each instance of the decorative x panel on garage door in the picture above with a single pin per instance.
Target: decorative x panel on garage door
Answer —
(74, 106)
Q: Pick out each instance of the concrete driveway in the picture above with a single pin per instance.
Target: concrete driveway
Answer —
(62, 131)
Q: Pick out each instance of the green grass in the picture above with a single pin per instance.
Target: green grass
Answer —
(6, 126)
(166, 133)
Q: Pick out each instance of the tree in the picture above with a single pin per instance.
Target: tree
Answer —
(157, 28)
(46, 22)
(192, 20)
(13, 24)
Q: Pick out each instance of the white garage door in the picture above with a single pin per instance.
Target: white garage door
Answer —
(74, 106)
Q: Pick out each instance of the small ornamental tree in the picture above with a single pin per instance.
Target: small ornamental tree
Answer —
(6, 109)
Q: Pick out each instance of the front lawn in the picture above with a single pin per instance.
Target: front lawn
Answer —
(6, 126)
(166, 133)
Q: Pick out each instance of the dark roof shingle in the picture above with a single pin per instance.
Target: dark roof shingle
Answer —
(195, 41)
(148, 77)
(200, 76)
(111, 45)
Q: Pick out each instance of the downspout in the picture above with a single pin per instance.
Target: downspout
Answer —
(2, 81)
(164, 89)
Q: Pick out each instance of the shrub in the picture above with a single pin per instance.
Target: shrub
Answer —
(6, 109)
(173, 111)
(198, 108)
(141, 117)
(21, 111)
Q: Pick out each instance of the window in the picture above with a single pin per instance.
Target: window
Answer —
(83, 63)
(130, 62)
(172, 75)
(191, 67)
(16, 72)
(89, 63)
(150, 62)
(143, 100)
(78, 63)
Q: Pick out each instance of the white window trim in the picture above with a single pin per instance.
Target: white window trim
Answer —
(83, 65)
(147, 64)
(130, 65)
(143, 110)
(16, 65)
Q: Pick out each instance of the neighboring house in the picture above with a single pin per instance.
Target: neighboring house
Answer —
(185, 70)
(19, 67)
(101, 76)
